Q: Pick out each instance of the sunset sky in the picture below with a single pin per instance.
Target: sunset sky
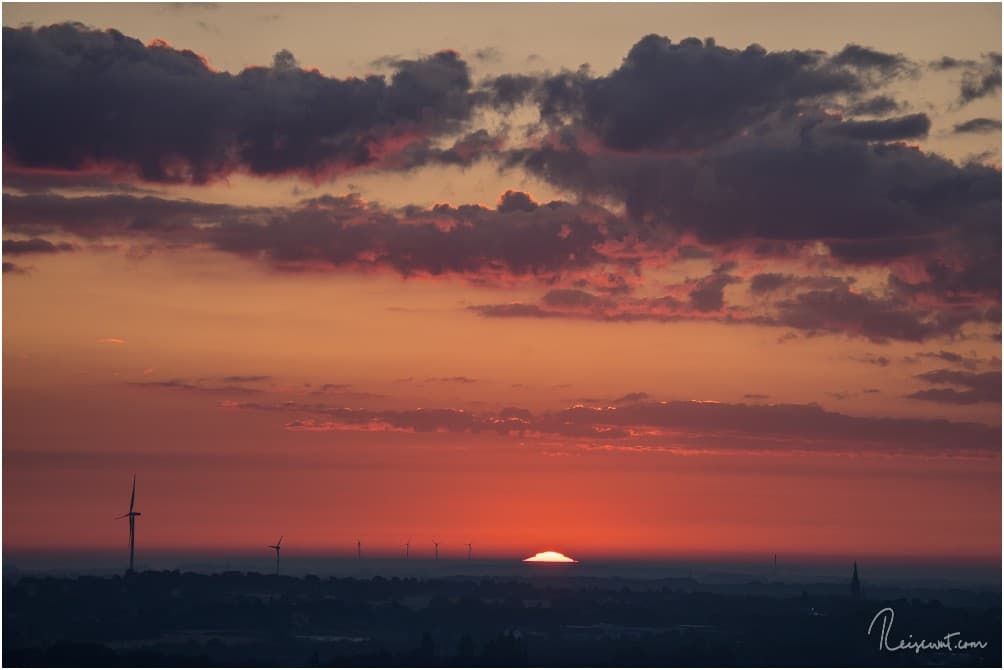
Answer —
(632, 281)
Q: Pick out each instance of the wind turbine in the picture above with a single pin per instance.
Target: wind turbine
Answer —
(132, 523)
(359, 549)
(437, 550)
(468, 551)
(276, 546)
(407, 549)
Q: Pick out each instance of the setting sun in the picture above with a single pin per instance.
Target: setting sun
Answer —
(549, 557)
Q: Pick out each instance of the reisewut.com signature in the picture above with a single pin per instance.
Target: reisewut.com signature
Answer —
(949, 642)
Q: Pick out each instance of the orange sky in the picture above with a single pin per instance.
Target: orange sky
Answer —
(254, 398)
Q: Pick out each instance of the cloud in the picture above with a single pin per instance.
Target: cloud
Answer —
(516, 201)
(111, 340)
(948, 356)
(344, 418)
(334, 387)
(814, 312)
(80, 97)
(708, 294)
(696, 152)
(119, 216)
(797, 182)
(740, 168)
(972, 280)
(701, 299)
(627, 398)
(866, 58)
(844, 395)
(488, 54)
(43, 181)
(774, 282)
(978, 125)
(197, 386)
(515, 310)
(636, 396)
(14, 268)
(343, 391)
(975, 387)
(904, 127)
(696, 93)
(465, 240)
(878, 105)
(558, 243)
(980, 78)
(796, 188)
(345, 232)
(34, 245)
(464, 152)
(967, 362)
(506, 91)
(873, 317)
(682, 425)
(872, 359)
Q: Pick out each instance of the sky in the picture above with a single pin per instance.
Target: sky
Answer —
(630, 281)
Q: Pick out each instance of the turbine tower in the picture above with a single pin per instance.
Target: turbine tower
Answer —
(407, 549)
(468, 551)
(359, 549)
(437, 550)
(276, 546)
(132, 524)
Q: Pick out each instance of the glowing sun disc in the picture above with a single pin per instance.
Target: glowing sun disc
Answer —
(549, 557)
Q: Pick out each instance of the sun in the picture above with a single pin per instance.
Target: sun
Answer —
(550, 557)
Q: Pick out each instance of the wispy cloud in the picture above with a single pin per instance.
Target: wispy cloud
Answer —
(970, 388)
(684, 425)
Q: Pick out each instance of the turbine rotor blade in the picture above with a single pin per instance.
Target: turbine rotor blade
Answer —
(132, 500)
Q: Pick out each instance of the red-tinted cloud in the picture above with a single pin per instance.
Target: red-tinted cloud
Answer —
(677, 425)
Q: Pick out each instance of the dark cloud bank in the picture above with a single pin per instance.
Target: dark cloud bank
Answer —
(712, 152)
(74, 97)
